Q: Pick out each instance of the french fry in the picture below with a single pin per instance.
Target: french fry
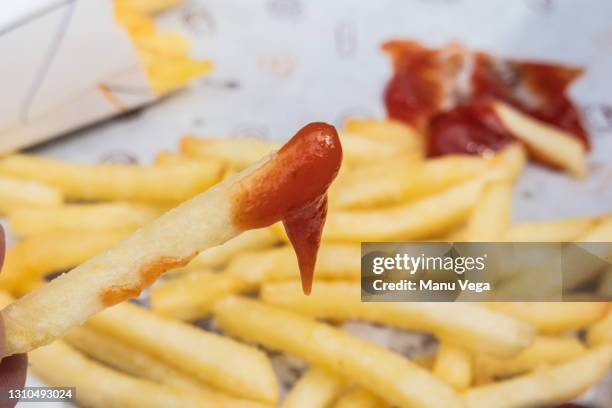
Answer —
(238, 153)
(221, 255)
(360, 149)
(334, 262)
(72, 218)
(170, 184)
(166, 157)
(601, 331)
(167, 75)
(424, 218)
(544, 351)
(398, 180)
(491, 215)
(454, 366)
(16, 193)
(546, 387)
(368, 365)
(462, 324)
(564, 230)
(235, 368)
(97, 386)
(509, 163)
(359, 398)
(553, 317)
(133, 361)
(260, 196)
(386, 130)
(548, 143)
(315, 389)
(31, 259)
(192, 296)
(147, 6)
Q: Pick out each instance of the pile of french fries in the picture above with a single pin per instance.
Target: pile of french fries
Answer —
(150, 353)
(165, 56)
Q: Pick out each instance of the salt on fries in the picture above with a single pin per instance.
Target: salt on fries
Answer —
(371, 366)
(16, 193)
(258, 197)
(316, 388)
(168, 184)
(471, 326)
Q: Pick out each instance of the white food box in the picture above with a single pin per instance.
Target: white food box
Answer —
(66, 64)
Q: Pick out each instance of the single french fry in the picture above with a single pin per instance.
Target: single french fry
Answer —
(359, 398)
(169, 184)
(423, 218)
(334, 262)
(386, 130)
(548, 143)
(398, 180)
(167, 75)
(546, 387)
(235, 368)
(544, 351)
(31, 259)
(601, 331)
(238, 153)
(219, 256)
(163, 44)
(509, 163)
(563, 230)
(315, 389)
(16, 193)
(454, 366)
(553, 317)
(258, 197)
(462, 324)
(366, 364)
(147, 6)
(98, 386)
(192, 296)
(87, 218)
(491, 215)
(360, 149)
(133, 361)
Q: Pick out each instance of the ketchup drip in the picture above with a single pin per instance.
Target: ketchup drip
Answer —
(292, 187)
(429, 90)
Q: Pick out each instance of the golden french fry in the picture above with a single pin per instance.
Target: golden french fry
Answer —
(16, 193)
(31, 259)
(315, 389)
(546, 387)
(146, 6)
(454, 366)
(168, 75)
(359, 149)
(169, 184)
(553, 317)
(221, 255)
(235, 368)
(462, 324)
(244, 202)
(563, 230)
(601, 331)
(192, 296)
(544, 351)
(491, 215)
(163, 44)
(359, 398)
(509, 163)
(238, 153)
(334, 262)
(397, 180)
(368, 365)
(386, 130)
(166, 157)
(98, 386)
(88, 218)
(133, 361)
(424, 218)
(550, 144)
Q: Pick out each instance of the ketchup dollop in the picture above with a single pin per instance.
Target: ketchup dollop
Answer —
(447, 93)
(292, 187)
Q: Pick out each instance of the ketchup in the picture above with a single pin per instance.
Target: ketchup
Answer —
(292, 187)
(429, 91)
